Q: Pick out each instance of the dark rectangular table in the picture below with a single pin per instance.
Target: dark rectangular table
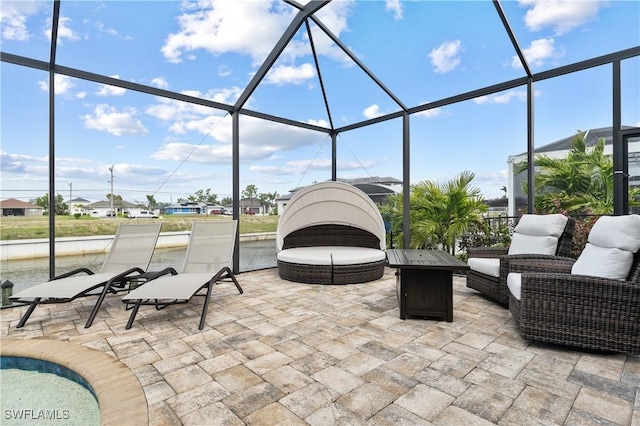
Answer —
(424, 282)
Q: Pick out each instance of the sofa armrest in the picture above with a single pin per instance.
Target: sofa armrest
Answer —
(487, 252)
(537, 264)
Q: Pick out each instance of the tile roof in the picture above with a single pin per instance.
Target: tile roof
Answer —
(12, 203)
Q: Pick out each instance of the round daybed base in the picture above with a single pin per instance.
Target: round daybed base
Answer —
(309, 274)
(331, 274)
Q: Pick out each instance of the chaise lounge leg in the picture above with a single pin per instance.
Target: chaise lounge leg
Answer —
(94, 312)
(235, 281)
(132, 317)
(205, 308)
(27, 314)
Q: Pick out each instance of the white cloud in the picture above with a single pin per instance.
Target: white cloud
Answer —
(300, 167)
(100, 26)
(396, 7)
(260, 140)
(290, 74)
(430, 113)
(160, 82)
(16, 163)
(561, 16)
(491, 183)
(537, 53)
(224, 71)
(107, 90)
(222, 27)
(502, 98)
(228, 26)
(372, 111)
(446, 57)
(64, 31)
(14, 16)
(186, 117)
(62, 83)
(320, 123)
(108, 119)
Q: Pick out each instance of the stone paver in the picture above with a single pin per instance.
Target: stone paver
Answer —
(293, 354)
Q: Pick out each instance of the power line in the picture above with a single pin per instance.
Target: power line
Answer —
(192, 151)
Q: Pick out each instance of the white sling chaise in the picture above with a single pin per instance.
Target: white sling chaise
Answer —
(208, 260)
(128, 258)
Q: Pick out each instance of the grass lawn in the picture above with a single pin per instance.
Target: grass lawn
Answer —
(18, 228)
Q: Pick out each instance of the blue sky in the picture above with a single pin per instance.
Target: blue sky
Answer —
(422, 51)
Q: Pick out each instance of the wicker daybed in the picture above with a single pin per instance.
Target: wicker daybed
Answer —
(331, 233)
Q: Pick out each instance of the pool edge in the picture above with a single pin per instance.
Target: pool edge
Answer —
(120, 395)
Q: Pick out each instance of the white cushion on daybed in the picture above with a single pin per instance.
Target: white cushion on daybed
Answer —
(306, 256)
(331, 255)
(356, 255)
(487, 266)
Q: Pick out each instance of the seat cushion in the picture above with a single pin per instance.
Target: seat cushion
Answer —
(514, 283)
(487, 266)
(306, 255)
(355, 255)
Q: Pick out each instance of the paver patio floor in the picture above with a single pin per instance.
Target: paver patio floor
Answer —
(288, 353)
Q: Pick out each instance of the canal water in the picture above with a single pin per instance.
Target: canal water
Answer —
(254, 255)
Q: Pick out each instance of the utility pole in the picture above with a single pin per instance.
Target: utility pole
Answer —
(111, 181)
(70, 189)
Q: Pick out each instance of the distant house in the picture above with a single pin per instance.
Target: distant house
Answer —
(183, 208)
(77, 205)
(560, 149)
(13, 207)
(103, 208)
(377, 188)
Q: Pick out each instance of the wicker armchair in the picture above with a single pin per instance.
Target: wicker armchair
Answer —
(553, 305)
(494, 284)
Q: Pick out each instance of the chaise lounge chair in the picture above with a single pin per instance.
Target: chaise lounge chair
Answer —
(208, 260)
(128, 259)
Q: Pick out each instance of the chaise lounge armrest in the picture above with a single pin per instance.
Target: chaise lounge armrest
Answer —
(583, 311)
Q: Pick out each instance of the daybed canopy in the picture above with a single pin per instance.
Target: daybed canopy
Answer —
(330, 203)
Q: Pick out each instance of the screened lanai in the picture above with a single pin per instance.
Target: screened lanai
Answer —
(277, 94)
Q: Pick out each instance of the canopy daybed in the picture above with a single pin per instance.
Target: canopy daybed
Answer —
(331, 233)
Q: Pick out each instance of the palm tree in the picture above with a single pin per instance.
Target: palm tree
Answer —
(582, 183)
(440, 213)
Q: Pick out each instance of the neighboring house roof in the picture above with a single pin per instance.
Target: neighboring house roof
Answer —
(107, 205)
(80, 200)
(371, 186)
(591, 137)
(372, 180)
(12, 203)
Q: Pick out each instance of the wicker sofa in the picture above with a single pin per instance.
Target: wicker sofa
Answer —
(535, 237)
(331, 233)
(592, 302)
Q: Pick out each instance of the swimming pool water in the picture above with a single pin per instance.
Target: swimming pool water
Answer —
(44, 393)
